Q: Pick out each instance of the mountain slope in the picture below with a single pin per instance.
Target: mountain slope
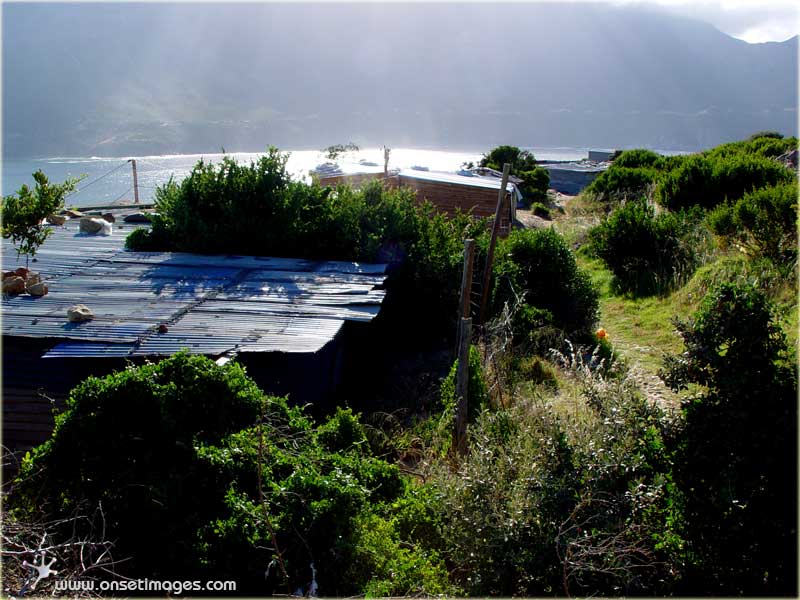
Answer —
(125, 78)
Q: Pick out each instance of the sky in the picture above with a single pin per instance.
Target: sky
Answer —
(753, 21)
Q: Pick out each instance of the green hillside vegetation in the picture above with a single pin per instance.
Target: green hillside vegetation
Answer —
(633, 402)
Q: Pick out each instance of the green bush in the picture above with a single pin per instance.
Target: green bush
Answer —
(545, 506)
(765, 134)
(24, 212)
(538, 267)
(477, 394)
(689, 183)
(647, 253)
(764, 221)
(735, 467)
(765, 146)
(709, 179)
(520, 160)
(540, 210)
(618, 181)
(535, 183)
(173, 453)
(637, 159)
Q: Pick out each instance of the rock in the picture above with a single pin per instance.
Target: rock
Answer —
(137, 217)
(73, 214)
(78, 313)
(10, 274)
(163, 328)
(109, 218)
(95, 226)
(13, 285)
(57, 219)
(37, 289)
(89, 225)
(32, 278)
(22, 272)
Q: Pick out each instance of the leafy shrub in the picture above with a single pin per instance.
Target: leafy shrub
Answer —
(637, 159)
(620, 181)
(477, 395)
(647, 253)
(24, 212)
(547, 506)
(200, 476)
(765, 146)
(395, 567)
(535, 183)
(737, 175)
(707, 180)
(540, 210)
(765, 134)
(765, 221)
(688, 183)
(520, 160)
(735, 469)
(538, 266)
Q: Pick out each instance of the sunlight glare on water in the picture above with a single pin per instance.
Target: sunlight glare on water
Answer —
(117, 185)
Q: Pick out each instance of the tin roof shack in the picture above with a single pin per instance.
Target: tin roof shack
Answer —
(467, 191)
(469, 194)
(283, 318)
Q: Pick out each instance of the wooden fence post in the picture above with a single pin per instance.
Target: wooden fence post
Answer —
(487, 270)
(462, 386)
(464, 308)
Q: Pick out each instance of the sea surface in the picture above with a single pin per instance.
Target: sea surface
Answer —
(110, 180)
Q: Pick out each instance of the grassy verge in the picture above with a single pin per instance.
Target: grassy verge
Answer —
(641, 329)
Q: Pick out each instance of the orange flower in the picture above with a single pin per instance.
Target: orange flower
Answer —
(601, 334)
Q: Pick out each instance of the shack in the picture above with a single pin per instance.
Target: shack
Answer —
(465, 191)
(283, 318)
(472, 194)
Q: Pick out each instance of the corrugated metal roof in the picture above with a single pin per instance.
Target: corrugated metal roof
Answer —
(441, 177)
(210, 304)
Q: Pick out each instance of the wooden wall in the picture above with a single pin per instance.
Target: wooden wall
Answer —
(449, 197)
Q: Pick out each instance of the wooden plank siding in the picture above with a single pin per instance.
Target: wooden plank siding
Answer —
(33, 388)
(449, 197)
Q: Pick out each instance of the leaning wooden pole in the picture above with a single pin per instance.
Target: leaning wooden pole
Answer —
(135, 182)
(487, 270)
(464, 307)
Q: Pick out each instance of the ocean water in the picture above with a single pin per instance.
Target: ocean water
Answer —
(110, 180)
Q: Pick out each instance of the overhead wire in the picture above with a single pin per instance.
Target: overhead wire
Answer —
(118, 198)
(98, 179)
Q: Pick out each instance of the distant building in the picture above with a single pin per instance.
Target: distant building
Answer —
(601, 155)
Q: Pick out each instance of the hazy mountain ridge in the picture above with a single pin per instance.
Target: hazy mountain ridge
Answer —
(157, 78)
